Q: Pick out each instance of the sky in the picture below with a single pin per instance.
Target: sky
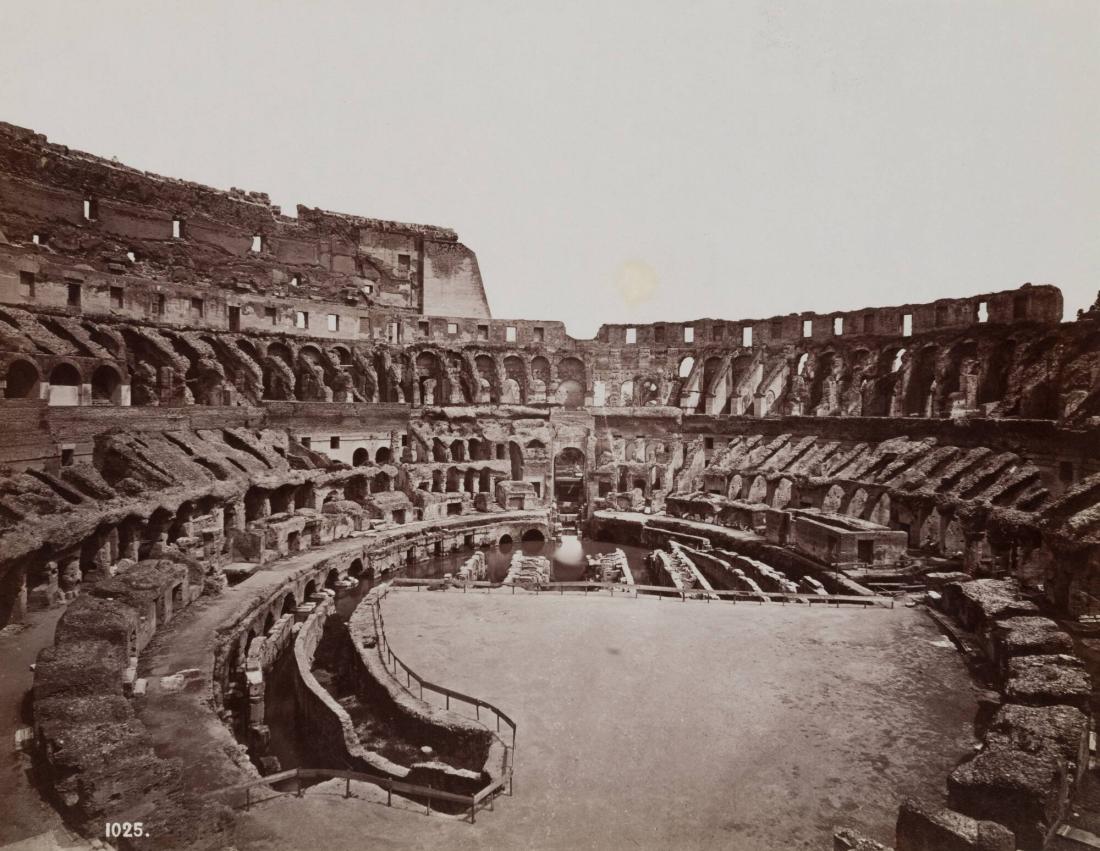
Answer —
(624, 161)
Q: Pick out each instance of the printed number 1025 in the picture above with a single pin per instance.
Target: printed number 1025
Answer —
(127, 829)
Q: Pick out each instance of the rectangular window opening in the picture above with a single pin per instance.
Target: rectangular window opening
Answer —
(91, 210)
(631, 336)
(717, 333)
(907, 325)
(305, 441)
(257, 244)
(983, 311)
(333, 322)
(540, 333)
(116, 298)
(160, 303)
(301, 319)
(334, 442)
(425, 328)
(510, 333)
(483, 332)
(26, 285)
(746, 336)
(67, 457)
(271, 314)
(404, 263)
(689, 334)
(364, 325)
(197, 308)
(74, 295)
(177, 229)
(807, 327)
(452, 328)
(296, 280)
(838, 326)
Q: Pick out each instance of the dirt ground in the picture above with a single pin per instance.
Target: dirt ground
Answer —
(646, 724)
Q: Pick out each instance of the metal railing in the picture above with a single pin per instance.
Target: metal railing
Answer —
(661, 591)
(394, 662)
(469, 803)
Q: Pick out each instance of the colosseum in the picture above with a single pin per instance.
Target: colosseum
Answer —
(301, 546)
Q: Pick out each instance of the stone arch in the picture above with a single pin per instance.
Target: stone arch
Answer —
(834, 496)
(857, 503)
(782, 496)
(458, 450)
(429, 379)
(533, 536)
(355, 569)
(515, 456)
(880, 512)
(470, 480)
(758, 491)
(64, 385)
(106, 385)
(687, 364)
(452, 480)
(22, 380)
(360, 457)
(922, 373)
(485, 480)
(384, 455)
(514, 371)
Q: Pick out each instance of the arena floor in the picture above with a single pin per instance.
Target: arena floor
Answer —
(646, 724)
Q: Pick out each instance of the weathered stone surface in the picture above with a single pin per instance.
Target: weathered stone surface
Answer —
(1027, 793)
(1047, 681)
(924, 828)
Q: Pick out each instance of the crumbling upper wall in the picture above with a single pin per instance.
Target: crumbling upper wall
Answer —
(119, 219)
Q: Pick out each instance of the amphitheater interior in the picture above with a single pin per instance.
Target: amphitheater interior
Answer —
(223, 420)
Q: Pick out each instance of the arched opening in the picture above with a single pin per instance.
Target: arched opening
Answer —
(381, 482)
(687, 364)
(429, 377)
(269, 623)
(515, 455)
(452, 480)
(626, 393)
(106, 384)
(21, 381)
(355, 569)
(310, 589)
(458, 450)
(921, 374)
(383, 455)
(64, 386)
(505, 542)
(437, 481)
(569, 467)
(360, 457)
(485, 480)
(572, 378)
(332, 578)
(471, 480)
(289, 605)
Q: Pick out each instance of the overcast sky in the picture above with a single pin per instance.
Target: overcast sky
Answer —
(619, 161)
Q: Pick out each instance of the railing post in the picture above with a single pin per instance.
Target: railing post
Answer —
(429, 812)
(389, 793)
(347, 787)
(473, 803)
(298, 777)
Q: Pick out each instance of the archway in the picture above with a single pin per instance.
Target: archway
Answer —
(106, 384)
(360, 457)
(532, 536)
(22, 380)
(64, 386)
(569, 465)
(383, 455)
